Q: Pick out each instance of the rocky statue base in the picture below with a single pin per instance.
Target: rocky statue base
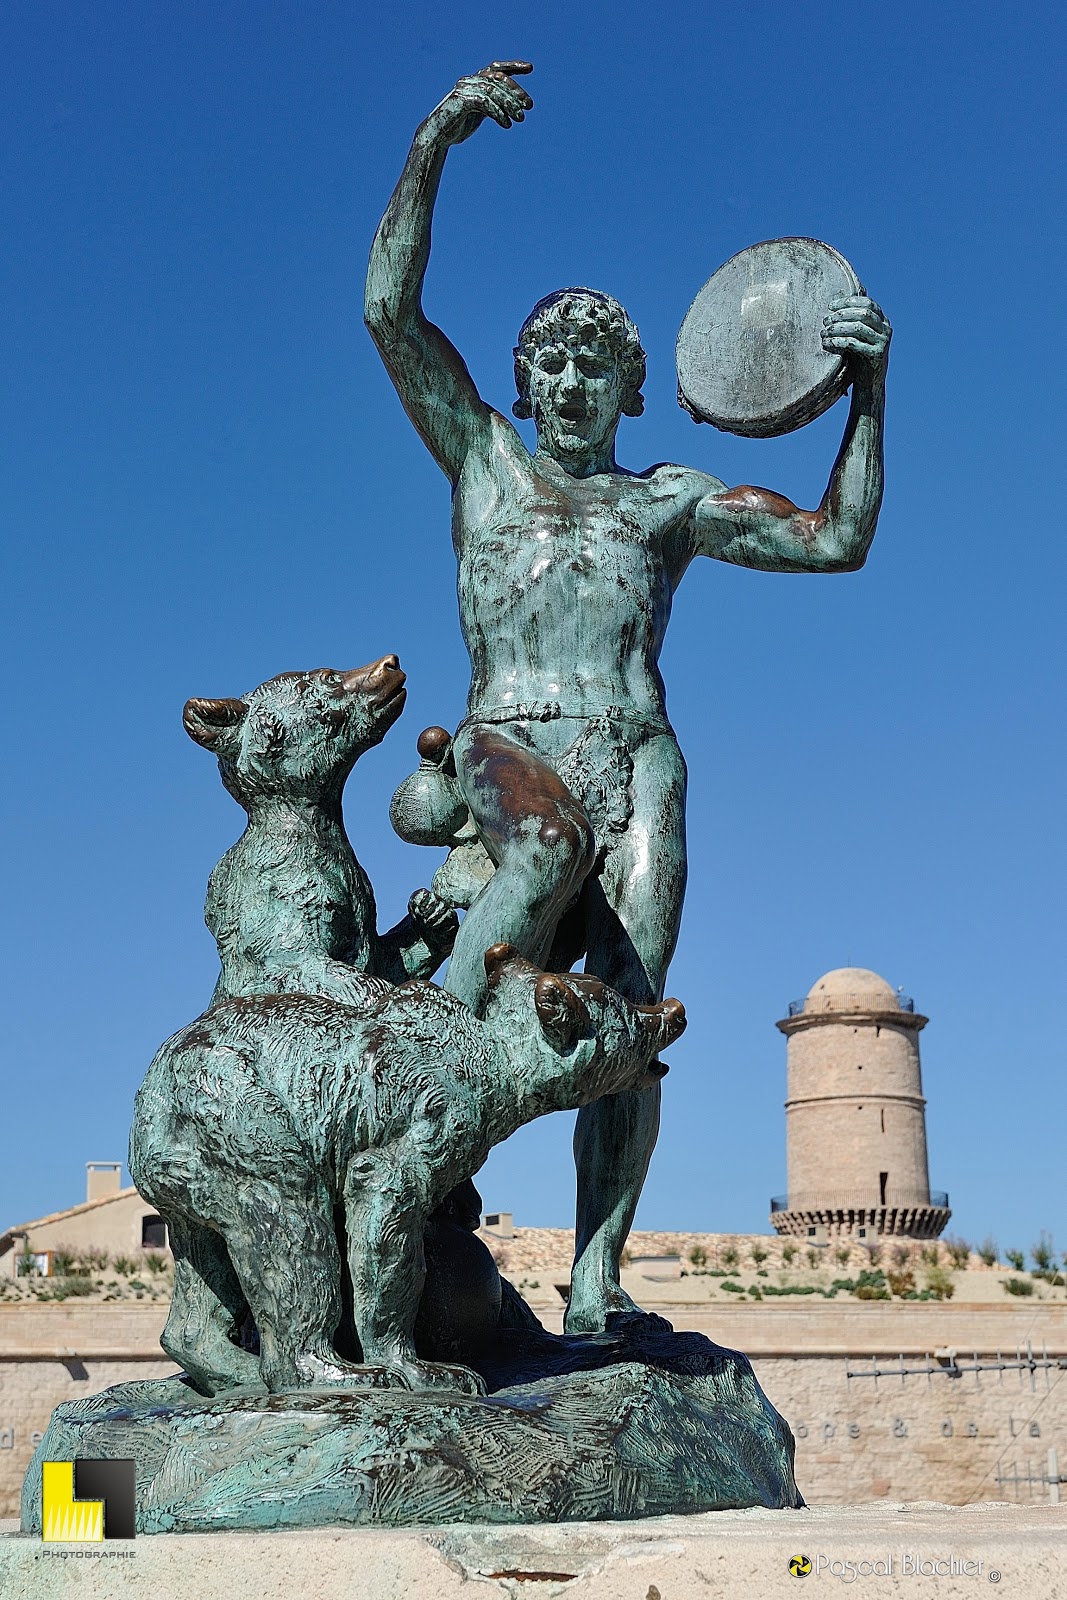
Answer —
(639, 1422)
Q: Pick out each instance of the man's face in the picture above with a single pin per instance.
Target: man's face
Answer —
(576, 396)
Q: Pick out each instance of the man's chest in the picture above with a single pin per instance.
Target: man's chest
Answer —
(607, 535)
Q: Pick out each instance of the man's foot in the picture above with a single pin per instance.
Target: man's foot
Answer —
(606, 1308)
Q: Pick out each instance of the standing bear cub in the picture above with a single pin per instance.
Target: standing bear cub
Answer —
(263, 1119)
(291, 909)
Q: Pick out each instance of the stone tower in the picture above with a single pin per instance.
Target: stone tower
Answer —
(855, 1115)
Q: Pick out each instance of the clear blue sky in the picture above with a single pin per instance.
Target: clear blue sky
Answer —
(207, 480)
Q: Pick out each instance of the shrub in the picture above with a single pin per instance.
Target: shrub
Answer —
(789, 1254)
(157, 1263)
(930, 1254)
(732, 1288)
(759, 1254)
(813, 1258)
(1020, 1286)
(1043, 1255)
(498, 1252)
(1016, 1259)
(842, 1255)
(959, 1253)
(698, 1256)
(95, 1260)
(988, 1251)
(939, 1284)
(901, 1283)
(135, 1283)
(730, 1258)
(63, 1262)
(755, 1292)
(875, 1253)
(901, 1256)
(791, 1288)
(124, 1266)
(73, 1286)
(871, 1285)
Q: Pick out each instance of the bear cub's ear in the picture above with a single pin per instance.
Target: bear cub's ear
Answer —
(211, 722)
(560, 1012)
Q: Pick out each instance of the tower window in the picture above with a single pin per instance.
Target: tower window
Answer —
(883, 1119)
(883, 1179)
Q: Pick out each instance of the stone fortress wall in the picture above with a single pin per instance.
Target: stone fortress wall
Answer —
(949, 1401)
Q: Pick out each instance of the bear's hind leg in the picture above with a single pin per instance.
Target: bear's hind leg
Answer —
(285, 1254)
(385, 1215)
(206, 1311)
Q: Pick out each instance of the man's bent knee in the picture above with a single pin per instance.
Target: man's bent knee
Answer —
(568, 838)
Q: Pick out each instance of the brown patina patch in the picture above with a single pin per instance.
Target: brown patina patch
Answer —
(748, 497)
(523, 788)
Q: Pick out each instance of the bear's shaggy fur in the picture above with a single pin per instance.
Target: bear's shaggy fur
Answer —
(291, 909)
(259, 1121)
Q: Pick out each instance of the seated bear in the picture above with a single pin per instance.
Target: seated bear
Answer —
(260, 1120)
(291, 909)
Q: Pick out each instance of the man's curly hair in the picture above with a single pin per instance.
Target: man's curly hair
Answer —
(596, 318)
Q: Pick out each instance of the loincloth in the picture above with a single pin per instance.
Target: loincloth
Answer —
(597, 766)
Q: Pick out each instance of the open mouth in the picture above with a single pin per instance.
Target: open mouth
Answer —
(571, 411)
(392, 693)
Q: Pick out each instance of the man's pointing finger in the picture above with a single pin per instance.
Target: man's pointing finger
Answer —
(509, 68)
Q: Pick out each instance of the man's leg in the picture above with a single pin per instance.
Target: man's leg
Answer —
(634, 909)
(542, 844)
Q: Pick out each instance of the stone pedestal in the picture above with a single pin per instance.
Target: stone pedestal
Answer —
(627, 1425)
(934, 1552)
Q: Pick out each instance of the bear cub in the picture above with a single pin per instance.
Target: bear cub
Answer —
(290, 907)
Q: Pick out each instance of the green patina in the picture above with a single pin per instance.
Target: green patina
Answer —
(350, 1350)
(568, 565)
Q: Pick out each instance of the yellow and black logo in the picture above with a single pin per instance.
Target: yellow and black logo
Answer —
(85, 1501)
(799, 1566)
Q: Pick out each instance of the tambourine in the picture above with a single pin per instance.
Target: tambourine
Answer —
(749, 353)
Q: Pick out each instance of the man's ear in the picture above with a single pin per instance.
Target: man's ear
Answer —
(213, 723)
(560, 1012)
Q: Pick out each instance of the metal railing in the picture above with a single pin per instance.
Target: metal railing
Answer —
(858, 1200)
(865, 1000)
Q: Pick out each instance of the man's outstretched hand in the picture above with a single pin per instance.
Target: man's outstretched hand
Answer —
(492, 92)
(857, 328)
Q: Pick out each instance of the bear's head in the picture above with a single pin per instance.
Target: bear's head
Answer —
(300, 735)
(571, 1038)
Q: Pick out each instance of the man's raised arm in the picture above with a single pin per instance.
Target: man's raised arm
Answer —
(757, 528)
(429, 373)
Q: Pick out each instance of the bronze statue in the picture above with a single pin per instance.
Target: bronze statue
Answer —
(568, 563)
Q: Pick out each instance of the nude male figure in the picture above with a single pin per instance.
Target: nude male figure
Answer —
(568, 564)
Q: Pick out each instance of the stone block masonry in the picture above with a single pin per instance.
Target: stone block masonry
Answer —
(929, 1435)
